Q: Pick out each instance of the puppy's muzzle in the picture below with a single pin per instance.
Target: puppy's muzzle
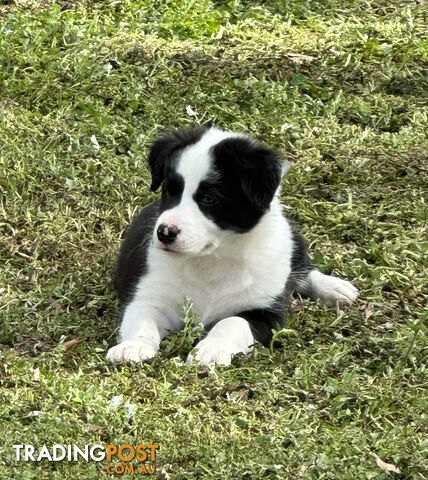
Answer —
(167, 233)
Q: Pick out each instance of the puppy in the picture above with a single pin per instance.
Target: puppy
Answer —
(219, 237)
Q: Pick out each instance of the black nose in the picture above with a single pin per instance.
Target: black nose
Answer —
(167, 234)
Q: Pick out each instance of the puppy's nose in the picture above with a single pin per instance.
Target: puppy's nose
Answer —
(167, 234)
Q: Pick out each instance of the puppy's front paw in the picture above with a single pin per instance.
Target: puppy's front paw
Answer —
(210, 352)
(128, 351)
(337, 290)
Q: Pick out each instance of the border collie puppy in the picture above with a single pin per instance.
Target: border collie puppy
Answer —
(218, 236)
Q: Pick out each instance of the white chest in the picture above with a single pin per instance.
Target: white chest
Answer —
(236, 279)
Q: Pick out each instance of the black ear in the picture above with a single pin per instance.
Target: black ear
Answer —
(161, 150)
(258, 169)
(165, 148)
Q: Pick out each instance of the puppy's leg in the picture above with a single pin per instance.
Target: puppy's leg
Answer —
(228, 337)
(329, 289)
(310, 282)
(315, 285)
(143, 326)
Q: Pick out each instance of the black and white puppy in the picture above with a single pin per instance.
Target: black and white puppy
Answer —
(219, 237)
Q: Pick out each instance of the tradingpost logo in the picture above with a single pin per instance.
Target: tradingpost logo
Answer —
(143, 457)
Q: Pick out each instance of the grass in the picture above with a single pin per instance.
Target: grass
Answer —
(337, 87)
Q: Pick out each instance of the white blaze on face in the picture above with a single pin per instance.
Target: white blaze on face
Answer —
(198, 234)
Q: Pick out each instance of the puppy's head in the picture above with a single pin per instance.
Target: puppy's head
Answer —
(213, 183)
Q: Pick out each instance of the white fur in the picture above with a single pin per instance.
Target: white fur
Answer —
(136, 350)
(228, 337)
(332, 289)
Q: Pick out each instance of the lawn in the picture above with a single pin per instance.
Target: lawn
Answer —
(339, 88)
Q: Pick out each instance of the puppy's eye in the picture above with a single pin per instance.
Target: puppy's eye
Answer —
(208, 199)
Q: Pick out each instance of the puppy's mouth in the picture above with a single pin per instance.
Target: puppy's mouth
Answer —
(208, 248)
(170, 250)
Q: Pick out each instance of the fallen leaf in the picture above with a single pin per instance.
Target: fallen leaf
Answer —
(299, 58)
(108, 67)
(220, 33)
(116, 401)
(388, 467)
(72, 342)
(89, 427)
(190, 111)
(297, 307)
(302, 470)
(164, 475)
(35, 413)
(239, 396)
(95, 144)
(386, 326)
(369, 310)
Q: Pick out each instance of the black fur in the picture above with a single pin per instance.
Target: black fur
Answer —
(264, 321)
(256, 169)
(172, 190)
(132, 261)
(163, 153)
(247, 176)
(301, 265)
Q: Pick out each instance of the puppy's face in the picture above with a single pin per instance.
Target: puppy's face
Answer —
(213, 183)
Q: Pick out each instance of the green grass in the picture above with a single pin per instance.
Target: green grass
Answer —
(339, 88)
